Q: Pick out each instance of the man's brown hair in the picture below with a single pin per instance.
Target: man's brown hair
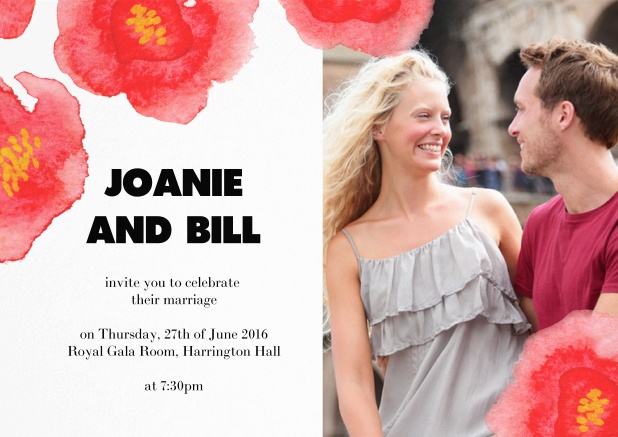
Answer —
(583, 73)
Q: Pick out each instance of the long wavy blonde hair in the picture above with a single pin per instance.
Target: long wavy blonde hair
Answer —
(352, 167)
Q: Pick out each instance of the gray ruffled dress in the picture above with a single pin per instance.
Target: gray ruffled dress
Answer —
(446, 315)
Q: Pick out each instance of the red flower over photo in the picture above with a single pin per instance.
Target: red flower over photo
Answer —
(42, 162)
(375, 27)
(15, 15)
(163, 54)
(565, 383)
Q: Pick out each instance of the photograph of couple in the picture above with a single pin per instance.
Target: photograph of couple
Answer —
(440, 263)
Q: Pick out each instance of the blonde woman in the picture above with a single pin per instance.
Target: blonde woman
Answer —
(426, 265)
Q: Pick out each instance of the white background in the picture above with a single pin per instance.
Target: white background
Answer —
(266, 121)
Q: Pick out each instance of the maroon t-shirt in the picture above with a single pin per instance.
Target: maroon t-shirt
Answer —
(567, 260)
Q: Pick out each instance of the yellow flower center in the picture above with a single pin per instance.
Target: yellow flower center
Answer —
(16, 160)
(591, 407)
(146, 23)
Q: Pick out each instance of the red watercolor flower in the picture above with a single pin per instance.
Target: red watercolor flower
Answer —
(42, 162)
(565, 383)
(376, 27)
(15, 15)
(163, 54)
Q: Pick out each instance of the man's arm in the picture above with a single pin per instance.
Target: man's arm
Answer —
(608, 300)
(607, 303)
(528, 308)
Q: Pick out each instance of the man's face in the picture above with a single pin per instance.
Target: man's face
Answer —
(539, 145)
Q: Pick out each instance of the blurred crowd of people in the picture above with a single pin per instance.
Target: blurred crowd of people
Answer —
(485, 171)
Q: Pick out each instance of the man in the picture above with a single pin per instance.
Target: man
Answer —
(566, 124)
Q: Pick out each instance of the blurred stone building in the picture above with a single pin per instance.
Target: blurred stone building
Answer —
(477, 43)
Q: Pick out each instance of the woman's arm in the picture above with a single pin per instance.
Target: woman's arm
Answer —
(350, 342)
(509, 230)
(509, 234)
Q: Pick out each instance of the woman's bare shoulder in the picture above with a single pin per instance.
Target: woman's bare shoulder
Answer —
(458, 196)
(339, 242)
(340, 250)
(494, 212)
(492, 201)
(363, 225)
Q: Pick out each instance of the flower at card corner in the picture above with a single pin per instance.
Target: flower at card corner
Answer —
(375, 27)
(164, 55)
(15, 15)
(565, 383)
(43, 164)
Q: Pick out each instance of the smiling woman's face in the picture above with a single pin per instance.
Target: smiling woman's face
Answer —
(418, 131)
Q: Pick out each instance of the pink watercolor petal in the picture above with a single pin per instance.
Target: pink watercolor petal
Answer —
(52, 164)
(205, 43)
(338, 11)
(558, 367)
(375, 27)
(15, 15)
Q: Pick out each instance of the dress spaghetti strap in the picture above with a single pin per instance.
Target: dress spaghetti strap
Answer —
(358, 258)
(351, 243)
(471, 204)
